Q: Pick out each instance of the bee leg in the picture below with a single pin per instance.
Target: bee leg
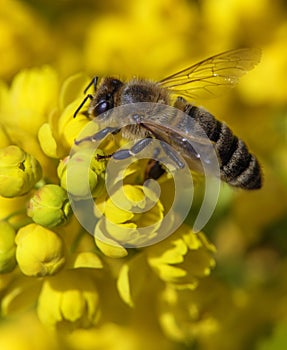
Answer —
(99, 135)
(172, 154)
(137, 147)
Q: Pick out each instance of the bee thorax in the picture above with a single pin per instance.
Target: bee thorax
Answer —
(143, 91)
(134, 131)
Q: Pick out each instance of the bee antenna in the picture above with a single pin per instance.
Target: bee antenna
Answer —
(82, 103)
(94, 82)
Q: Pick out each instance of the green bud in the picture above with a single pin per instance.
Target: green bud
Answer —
(73, 171)
(7, 247)
(49, 206)
(19, 172)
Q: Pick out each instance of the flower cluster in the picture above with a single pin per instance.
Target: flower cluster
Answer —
(72, 271)
(65, 286)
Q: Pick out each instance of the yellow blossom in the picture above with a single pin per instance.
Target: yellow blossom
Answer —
(19, 171)
(117, 43)
(182, 317)
(57, 135)
(39, 251)
(49, 206)
(20, 112)
(83, 165)
(69, 300)
(150, 297)
(182, 259)
(128, 220)
(17, 49)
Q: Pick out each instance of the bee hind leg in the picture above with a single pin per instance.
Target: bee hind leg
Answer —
(172, 154)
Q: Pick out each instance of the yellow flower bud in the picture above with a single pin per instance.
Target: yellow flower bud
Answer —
(7, 247)
(39, 251)
(19, 171)
(73, 171)
(69, 299)
(49, 206)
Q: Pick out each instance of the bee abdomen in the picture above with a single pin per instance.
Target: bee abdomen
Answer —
(238, 167)
(205, 120)
(250, 178)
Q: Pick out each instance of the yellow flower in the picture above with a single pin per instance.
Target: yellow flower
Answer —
(127, 219)
(49, 206)
(39, 252)
(69, 300)
(29, 101)
(19, 171)
(58, 133)
(182, 259)
(159, 296)
(82, 165)
(157, 18)
(26, 106)
(183, 318)
(18, 51)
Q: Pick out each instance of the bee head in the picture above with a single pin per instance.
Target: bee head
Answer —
(105, 96)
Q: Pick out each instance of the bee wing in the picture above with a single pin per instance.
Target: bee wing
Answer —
(209, 76)
(193, 148)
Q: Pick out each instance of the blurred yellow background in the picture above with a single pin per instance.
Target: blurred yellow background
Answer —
(153, 38)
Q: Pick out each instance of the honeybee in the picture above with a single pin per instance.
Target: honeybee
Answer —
(238, 167)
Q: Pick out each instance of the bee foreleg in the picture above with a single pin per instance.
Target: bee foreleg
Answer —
(99, 135)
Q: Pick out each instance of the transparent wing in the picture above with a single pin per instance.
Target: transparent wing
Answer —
(209, 76)
(195, 152)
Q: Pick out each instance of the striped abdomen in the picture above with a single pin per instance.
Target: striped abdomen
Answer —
(238, 167)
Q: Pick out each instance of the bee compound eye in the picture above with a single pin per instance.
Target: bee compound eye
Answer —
(102, 107)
